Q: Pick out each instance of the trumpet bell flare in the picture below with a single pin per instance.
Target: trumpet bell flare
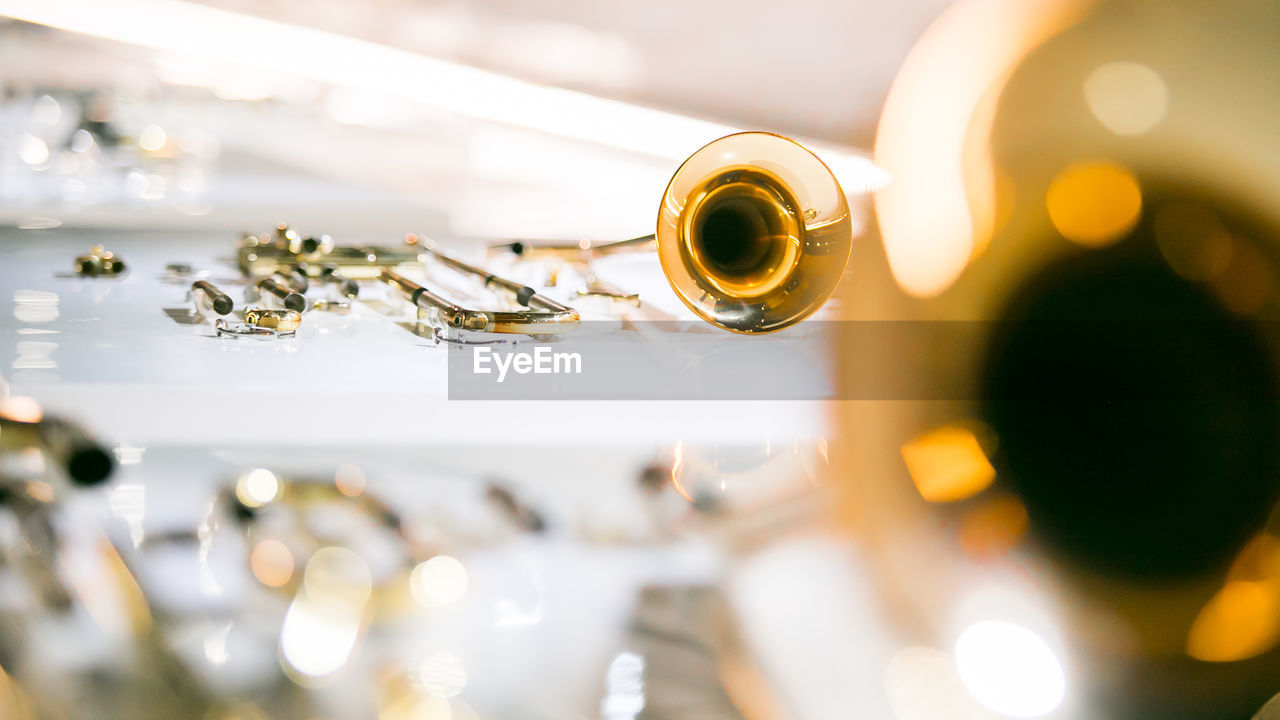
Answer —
(754, 232)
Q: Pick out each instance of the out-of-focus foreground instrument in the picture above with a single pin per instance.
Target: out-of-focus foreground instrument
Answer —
(1087, 219)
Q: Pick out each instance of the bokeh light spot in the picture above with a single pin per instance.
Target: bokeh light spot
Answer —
(257, 487)
(1010, 669)
(272, 563)
(350, 480)
(21, 408)
(442, 580)
(1094, 203)
(948, 464)
(152, 138)
(1128, 98)
(1242, 620)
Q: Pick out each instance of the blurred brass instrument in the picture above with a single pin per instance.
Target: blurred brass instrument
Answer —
(1105, 473)
(31, 494)
(99, 262)
(262, 255)
(63, 443)
(41, 556)
(753, 233)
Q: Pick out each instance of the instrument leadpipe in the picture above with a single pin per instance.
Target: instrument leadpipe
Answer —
(574, 251)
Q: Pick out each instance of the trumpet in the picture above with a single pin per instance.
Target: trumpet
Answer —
(753, 233)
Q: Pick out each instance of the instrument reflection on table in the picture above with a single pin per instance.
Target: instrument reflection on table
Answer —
(753, 234)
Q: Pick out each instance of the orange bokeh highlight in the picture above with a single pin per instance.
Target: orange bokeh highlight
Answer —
(272, 563)
(1094, 203)
(948, 464)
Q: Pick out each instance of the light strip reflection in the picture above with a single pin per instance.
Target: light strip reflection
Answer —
(217, 35)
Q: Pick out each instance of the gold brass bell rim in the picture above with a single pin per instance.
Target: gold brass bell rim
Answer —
(781, 233)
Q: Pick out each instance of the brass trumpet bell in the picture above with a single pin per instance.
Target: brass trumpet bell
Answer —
(754, 232)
